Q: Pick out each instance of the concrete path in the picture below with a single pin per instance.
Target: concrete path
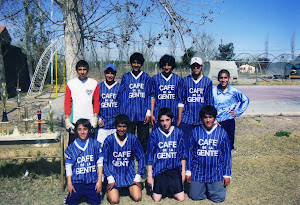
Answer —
(264, 100)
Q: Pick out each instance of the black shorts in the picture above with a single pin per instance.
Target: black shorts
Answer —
(168, 181)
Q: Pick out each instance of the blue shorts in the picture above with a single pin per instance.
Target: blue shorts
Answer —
(214, 191)
(84, 190)
(168, 181)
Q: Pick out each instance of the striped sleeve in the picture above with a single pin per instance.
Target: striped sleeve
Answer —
(208, 97)
(140, 157)
(226, 150)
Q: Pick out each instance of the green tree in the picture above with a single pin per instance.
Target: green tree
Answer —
(186, 58)
(226, 51)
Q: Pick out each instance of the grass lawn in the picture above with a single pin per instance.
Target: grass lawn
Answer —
(265, 169)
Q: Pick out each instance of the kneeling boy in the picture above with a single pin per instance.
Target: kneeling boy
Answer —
(82, 157)
(166, 157)
(119, 151)
(209, 159)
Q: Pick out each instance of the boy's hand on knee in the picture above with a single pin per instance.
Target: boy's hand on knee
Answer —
(98, 186)
(110, 186)
(150, 180)
(71, 189)
(226, 181)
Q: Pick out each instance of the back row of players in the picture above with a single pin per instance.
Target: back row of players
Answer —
(140, 97)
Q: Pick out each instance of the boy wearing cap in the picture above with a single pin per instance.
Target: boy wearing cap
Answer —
(135, 98)
(195, 92)
(81, 99)
(109, 108)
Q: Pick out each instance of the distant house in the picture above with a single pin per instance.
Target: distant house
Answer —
(247, 69)
(15, 64)
(212, 68)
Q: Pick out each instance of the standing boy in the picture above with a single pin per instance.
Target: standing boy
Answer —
(209, 159)
(120, 151)
(226, 99)
(109, 104)
(81, 99)
(135, 98)
(166, 158)
(195, 92)
(165, 89)
(82, 159)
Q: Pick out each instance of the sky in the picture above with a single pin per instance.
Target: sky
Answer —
(248, 23)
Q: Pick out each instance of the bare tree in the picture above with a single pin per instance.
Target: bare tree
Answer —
(293, 45)
(205, 43)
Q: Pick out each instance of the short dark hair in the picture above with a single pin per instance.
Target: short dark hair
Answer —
(208, 110)
(138, 57)
(82, 63)
(84, 122)
(223, 71)
(165, 111)
(121, 119)
(167, 59)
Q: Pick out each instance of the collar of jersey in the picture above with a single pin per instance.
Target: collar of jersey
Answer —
(168, 78)
(211, 130)
(136, 77)
(220, 91)
(169, 133)
(110, 86)
(82, 148)
(121, 143)
(198, 80)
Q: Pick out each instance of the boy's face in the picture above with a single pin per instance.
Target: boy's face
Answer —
(110, 76)
(136, 66)
(82, 72)
(167, 68)
(208, 121)
(223, 80)
(121, 130)
(83, 132)
(165, 123)
(196, 68)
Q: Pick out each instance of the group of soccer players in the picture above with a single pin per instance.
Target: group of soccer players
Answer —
(187, 142)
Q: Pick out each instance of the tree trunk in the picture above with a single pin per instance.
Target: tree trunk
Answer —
(28, 39)
(2, 68)
(72, 15)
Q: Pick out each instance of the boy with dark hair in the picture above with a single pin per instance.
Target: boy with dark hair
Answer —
(82, 159)
(119, 151)
(81, 99)
(226, 99)
(109, 104)
(166, 157)
(165, 89)
(209, 159)
(195, 92)
(135, 99)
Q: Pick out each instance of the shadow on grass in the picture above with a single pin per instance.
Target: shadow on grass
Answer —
(15, 168)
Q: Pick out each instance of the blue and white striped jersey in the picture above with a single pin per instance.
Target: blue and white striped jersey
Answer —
(84, 160)
(165, 151)
(119, 159)
(135, 95)
(229, 100)
(109, 105)
(194, 95)
(209, 156)
(165, 90)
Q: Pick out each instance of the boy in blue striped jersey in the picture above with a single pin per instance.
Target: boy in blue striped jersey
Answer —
(195, 92)
(165, 89)
(135, 99)
(119, 151)
(209, 159)
(82, 160)
(109, 105)
(166, 158)
(226, 99)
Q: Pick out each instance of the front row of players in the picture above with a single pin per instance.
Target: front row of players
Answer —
(206, 166)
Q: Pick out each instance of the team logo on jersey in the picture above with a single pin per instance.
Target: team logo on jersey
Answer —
(89, 92)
